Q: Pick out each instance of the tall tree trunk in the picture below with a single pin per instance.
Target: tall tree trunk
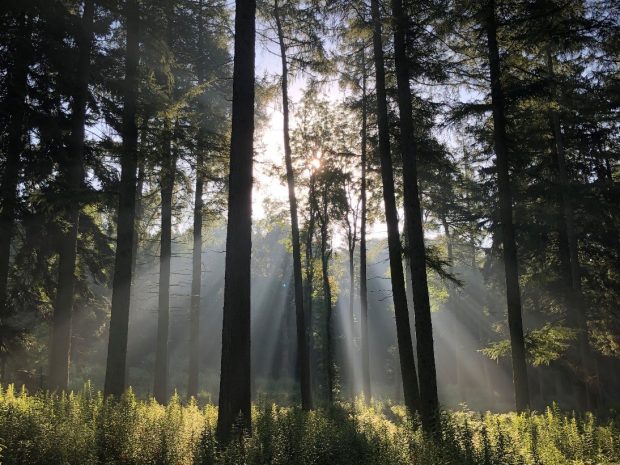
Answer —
(167, 175)
(309, 287)
(73, 172)
(570, 260)
(327, 298)
(363, 276)
(115, 377)
(235, 394)
(194, 319)
(160, 385)
(403, 330)
(513, 297)
(16, 140)
(302, 338)
(415, 232)
(351, 343)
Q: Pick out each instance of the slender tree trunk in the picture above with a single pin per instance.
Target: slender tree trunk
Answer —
(327, 297)
(302, 338)
(309, 285)
(575, 303)
(160, 386)
(16, 141)
(194, 319)
(513, 297)
(235, 394)
(167, 176)
(363, 277)
(403, 331)
(73, 173)
(415, 232)
(351, 343)
(115, 377)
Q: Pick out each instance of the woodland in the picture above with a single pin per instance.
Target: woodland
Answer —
(310, 232)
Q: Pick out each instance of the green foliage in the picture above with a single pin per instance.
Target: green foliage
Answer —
(84, 429)
(543, 345)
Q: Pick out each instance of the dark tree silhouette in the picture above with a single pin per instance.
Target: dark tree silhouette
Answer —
(73, 175)
(403, 331)
(121, 285)
(235, 389)
(513, 296)
(414, 230)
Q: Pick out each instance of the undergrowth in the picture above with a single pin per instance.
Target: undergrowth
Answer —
(83, 429)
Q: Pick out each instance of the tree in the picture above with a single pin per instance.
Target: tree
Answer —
(415, 232)
(363, 267)
(302, 337)
(513, 296)
(73, 173)
(405, 347)
(15, 145)
(235, 392)
(121, 285)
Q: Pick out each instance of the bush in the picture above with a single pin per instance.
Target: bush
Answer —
(84, 429)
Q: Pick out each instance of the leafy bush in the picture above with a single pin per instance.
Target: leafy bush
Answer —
(84, 429)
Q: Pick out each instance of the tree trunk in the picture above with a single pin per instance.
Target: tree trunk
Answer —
(302, 338)
(121, 285)
(403, 331)
(571, 267)
(235, 397)
(309, 285)
(160, 385)
(73, 173)
(415, 232)
(194, 319)
(513, 297)
(363, 277)
(16, 140)
(351, 343)
(167, 175)
(327, 298)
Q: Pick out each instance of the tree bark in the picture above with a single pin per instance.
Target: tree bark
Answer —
(121, 286)
(513, 297)
(73, 173)
(235, 393)
(403, 331)
(16, 141)
(302, 338)
(363, 276)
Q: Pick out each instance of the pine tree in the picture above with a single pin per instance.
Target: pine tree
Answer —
(235, 392)
(115, 381)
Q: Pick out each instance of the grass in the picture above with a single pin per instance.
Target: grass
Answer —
(84, 429)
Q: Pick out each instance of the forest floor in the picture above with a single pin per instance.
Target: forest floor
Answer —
(82, 429)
